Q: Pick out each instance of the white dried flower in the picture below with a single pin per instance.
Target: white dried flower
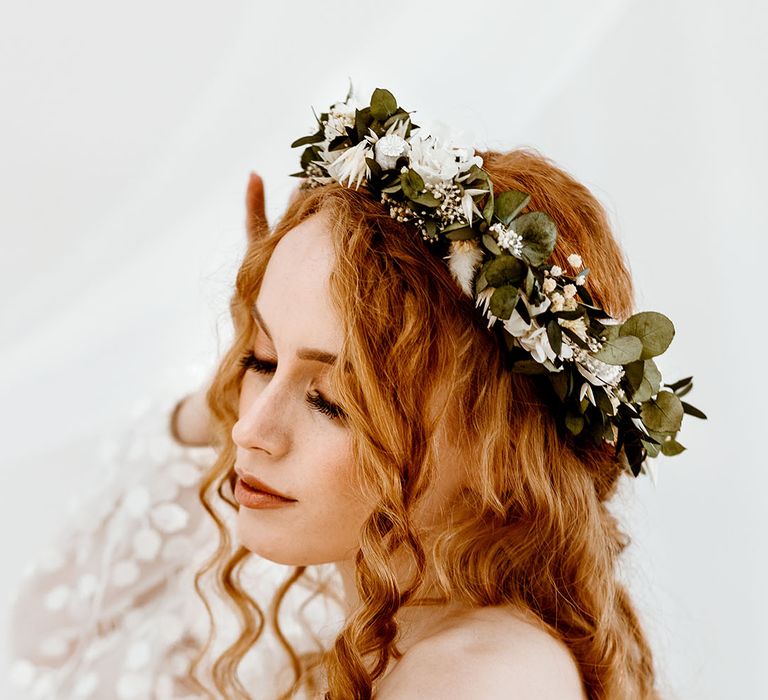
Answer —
(340, 116)
(569, 291)
(549, 285)
(574, 260)
(557, 301)
(556, 271)
(508, 238)
(586, 388)
(351, 165)
(388, 149)
(463, 260)
(577, 325)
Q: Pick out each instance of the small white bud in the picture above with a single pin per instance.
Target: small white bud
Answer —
(574, 260)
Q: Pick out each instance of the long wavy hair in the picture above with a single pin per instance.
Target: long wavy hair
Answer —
(535, 531)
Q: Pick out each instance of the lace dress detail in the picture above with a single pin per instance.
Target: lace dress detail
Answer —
(110, 610)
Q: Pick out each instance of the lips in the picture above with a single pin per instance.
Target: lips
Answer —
(254, 483)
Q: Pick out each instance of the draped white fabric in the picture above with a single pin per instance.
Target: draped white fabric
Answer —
(127, 132)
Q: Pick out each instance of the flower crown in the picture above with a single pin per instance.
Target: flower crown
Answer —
(602, 370)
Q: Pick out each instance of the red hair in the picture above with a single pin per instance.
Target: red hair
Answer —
(535, 531)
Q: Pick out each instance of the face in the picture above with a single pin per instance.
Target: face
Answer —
(288, 435)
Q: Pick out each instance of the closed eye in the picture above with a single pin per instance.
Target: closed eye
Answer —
(250, 361)
(315, 399)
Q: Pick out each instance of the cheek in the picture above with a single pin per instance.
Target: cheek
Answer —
(324, 525)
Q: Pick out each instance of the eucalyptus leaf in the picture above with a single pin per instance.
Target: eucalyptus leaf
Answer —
(634, 373)
(490, 243)
(412, 184)
(363, 121)
(663, 413)
(554, 335)
(488, 206)
(651, 449)
(539, 236)
(461, 234)
(559, 382)
(503, 300)
(602, 400)
(620, 351)
(672, 447)
(508, 205)
(679, 384)
(306, 140)
(650, 383)
(692, 410)
(574, 422)
(655, 331)
(383, 104)
(505, 269)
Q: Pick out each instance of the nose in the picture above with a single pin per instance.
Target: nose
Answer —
(263, 422)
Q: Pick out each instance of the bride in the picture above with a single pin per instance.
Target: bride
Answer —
(365, 501)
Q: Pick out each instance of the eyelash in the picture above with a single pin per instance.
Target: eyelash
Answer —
(316, 400)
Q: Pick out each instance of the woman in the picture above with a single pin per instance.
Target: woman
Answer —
(366, 422)
(472, 537)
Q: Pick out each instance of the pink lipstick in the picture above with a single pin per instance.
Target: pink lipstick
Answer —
(252, 497)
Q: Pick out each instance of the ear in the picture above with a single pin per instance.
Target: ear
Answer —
(256, 216)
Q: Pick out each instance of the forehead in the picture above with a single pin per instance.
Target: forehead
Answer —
(294, 297)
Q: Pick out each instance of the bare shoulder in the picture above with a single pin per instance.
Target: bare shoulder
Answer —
(491, 653)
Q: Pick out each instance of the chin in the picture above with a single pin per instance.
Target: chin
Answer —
(257, 536)
(289, 549)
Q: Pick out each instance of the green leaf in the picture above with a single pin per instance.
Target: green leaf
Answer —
(505, 269)
(611, 332)
(509, 204)
(559, 382)
(634, 374)
(306, 140)
(461, 234)
(671, 447)
(602, 400)
(480, 283)
(539, 236)
(664, 413)
(692, 410)
(680, 383)
(655, 331)
(489, 204)
(411, 183)
(620, 351)
(574, 422)
(383, 104)
(503, 300)
(651, 449)
(363, 120)
(650, 384)
(554, 335)
(490, 243)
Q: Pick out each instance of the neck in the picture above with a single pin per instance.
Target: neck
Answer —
(415, 621)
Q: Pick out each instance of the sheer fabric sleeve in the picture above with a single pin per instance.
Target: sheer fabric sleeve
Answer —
(109, 610)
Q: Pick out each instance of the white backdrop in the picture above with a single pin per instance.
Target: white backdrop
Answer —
(127, 131)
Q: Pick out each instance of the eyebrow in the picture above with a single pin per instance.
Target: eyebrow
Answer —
(302, 353)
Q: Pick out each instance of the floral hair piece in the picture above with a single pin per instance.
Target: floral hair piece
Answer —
(601, 370)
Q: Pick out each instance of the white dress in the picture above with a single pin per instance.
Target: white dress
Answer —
(110, 611)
